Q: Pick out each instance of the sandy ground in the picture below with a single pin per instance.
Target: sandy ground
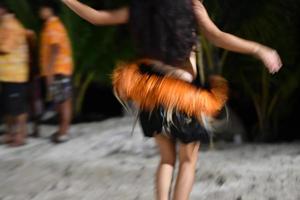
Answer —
(103, 161)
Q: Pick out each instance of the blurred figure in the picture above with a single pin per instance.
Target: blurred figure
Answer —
(13, 76)
(166, 32)
(57, 66)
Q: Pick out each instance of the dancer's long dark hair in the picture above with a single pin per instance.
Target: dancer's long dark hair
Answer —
(164, 29)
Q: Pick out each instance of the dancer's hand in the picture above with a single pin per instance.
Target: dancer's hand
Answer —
(181, 74)
(174, 72)
(269, 57)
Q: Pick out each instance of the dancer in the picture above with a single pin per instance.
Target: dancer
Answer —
(161, 82)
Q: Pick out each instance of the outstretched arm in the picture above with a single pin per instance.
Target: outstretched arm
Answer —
(98, 17)
(268, 56)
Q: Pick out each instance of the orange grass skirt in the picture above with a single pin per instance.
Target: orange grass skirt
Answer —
(150, 91)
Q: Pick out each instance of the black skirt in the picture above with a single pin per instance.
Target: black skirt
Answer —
(182, 128)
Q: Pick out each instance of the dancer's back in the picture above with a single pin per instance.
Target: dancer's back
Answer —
(164, 30)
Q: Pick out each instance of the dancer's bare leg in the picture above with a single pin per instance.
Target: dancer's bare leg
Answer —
(188, 155)
(164, 174)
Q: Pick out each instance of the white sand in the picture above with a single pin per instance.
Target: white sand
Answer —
(103, 162)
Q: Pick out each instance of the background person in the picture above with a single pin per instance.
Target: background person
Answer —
(14, 71)
(57, 66)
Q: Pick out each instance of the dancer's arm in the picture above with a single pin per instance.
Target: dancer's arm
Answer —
(98, 17)
(269, 56)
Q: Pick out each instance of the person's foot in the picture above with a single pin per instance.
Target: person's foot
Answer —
(18, 140)
(6, 139)
(58, 138)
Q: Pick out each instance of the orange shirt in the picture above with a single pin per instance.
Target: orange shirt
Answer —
(54, 33)
(14, 51)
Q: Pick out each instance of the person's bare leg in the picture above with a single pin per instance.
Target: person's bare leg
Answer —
(188, 155)
(65, 114)
(164, 173)
(8, 134)
(20, 130)
(36, 127)
(36, 106)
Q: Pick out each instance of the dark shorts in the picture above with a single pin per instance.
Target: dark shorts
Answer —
(14, 98)
(183, 128)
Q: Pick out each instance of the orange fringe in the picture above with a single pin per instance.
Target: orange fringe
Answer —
(152, 91)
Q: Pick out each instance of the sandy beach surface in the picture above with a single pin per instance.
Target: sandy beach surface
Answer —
(104, 161)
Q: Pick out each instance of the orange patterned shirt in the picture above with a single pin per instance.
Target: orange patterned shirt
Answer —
(54, 33)
(13, 51)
